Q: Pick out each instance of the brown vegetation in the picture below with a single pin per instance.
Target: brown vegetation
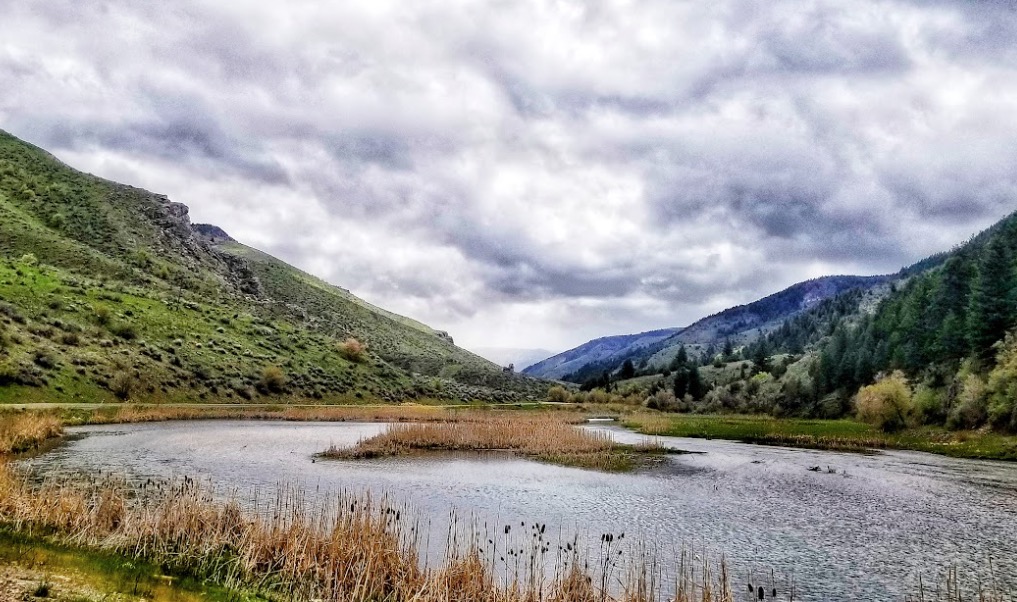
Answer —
(130, 413)
(25, 431)
(351, 548)
(353, 350)
(544, 436)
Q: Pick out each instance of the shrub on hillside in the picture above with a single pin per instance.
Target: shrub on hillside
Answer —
(124, 385)
(44, 359)
(71, 339)
(662, 400)
(353, 350)
(102, 315)
(9, 374)
(273, 380)
(559, 394)
(887, 404)
(124, 330)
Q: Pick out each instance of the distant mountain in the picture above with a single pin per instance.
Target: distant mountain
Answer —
(519, 358)
(605, 350)
(740, 325)
(108, 291)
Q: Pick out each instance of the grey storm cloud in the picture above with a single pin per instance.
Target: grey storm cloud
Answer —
(538, 173)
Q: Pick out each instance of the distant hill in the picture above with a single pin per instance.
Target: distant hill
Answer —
(740, 325)
(108, 291)
(606, 350)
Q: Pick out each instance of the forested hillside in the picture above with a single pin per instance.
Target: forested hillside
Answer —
(930, 346)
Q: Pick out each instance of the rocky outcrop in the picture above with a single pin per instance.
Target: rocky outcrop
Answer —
(211, 234)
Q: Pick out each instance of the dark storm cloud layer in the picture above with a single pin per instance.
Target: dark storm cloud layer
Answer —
(538, 173)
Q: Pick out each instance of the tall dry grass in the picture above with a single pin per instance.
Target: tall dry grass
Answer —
(350, 548)
(545, 436)
(25, 431)
(124, 414)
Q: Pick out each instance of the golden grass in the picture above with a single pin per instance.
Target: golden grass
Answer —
(25, 431)
(130, 413)
(350, 548)
(544, 436)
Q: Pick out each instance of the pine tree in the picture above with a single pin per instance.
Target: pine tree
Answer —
(988, 309)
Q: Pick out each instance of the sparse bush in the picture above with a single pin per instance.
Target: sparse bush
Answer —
(102, 315)
(29, 259)
(662, 400)
(8, 374)
(353, 350)
(71, 339)
(57, 221)
(559, 394)
(123, 330)
(273, 380)
(124, 385)
(44, 359)
(886, 404)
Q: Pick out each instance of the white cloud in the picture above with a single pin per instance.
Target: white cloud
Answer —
(534, 174)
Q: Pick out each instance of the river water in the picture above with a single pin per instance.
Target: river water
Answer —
(863, 527)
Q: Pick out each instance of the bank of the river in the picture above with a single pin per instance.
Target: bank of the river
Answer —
(839, 435)
(33, 568)
(865, 526)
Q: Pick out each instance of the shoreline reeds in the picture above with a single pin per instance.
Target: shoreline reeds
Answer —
(349, 547)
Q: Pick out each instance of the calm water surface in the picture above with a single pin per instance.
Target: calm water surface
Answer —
(863, 528)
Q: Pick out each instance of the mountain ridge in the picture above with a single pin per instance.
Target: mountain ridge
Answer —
(740, 325)
(103, 282)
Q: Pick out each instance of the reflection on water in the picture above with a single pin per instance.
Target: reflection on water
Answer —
(861, 527)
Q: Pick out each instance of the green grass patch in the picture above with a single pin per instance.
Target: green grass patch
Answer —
(847, 435)
(104, 576)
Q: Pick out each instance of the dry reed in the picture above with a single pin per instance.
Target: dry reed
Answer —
(546, 437)
(25, 431)
(130, 413)
(349, 548)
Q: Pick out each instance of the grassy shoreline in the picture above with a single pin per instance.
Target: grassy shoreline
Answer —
(834, 435)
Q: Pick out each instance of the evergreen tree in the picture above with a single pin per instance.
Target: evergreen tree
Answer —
(988, 309)
(759, 358)
(628, 370)
(680, 385)
(697, 389)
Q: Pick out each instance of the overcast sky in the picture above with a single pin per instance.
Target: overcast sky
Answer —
(536, 174)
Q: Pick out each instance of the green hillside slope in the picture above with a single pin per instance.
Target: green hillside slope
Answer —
(106, 293)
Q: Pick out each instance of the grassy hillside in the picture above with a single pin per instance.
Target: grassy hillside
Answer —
(107, 293)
